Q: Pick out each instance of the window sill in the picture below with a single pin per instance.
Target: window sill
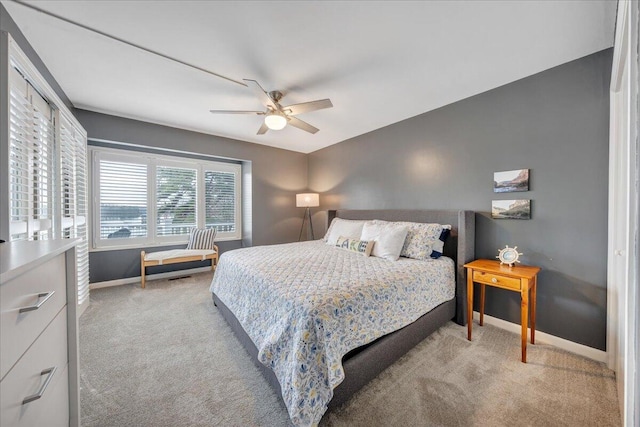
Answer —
(141, 246)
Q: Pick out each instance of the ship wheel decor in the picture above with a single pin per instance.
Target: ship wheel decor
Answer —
(509, 255)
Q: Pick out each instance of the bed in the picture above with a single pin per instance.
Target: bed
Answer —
(315, 343)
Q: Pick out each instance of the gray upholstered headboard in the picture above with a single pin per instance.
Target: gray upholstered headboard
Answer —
(460, 246)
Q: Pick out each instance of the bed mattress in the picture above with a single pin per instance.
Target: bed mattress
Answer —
(305, 305)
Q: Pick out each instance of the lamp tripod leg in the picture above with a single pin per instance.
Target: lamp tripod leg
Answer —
(307, 214)
(304, 219)
(311, 224)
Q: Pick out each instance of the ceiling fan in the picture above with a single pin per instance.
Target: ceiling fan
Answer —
(276, 115)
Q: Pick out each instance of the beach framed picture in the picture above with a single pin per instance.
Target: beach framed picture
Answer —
(511, 181)
(511, 209)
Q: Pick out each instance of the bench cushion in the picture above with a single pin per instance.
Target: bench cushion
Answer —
(178, 253)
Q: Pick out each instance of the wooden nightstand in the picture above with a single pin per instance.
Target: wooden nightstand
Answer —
(520, 278)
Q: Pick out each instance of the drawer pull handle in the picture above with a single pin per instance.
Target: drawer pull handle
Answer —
(46, 296)
(49, 372)
(494, 280)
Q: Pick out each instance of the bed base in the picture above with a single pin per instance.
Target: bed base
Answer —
(364, 363)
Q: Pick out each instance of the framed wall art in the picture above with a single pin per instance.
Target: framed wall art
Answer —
(511, 181)
(511, 209)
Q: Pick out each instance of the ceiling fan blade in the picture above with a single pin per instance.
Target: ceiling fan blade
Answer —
(305, 107)
(263, 129)
(302, 125)
(264, 98)
(235, 112)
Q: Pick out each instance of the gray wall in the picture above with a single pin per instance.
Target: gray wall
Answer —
(276, 175)
(555, 123)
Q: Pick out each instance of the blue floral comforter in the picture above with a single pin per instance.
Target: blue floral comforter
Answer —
(305, 305)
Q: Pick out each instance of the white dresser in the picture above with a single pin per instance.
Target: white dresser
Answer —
(39, 381)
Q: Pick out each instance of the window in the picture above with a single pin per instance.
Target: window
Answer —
(123, 198)
(72, 172)
(146, 199)
(31, 140)
(175, 200)
(220, 199)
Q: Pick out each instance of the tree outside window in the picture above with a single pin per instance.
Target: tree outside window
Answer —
(176, 200)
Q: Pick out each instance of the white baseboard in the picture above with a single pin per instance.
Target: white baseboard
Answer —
(544, 338)
(137, 279)
(82, 307)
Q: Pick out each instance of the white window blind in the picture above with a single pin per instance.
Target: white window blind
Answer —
(19, 140)
(220, 200)
(31, 140)
(42, 165)
(122, 199)
(151, 199)
(175, 200)
(73, 197)
(46, 172)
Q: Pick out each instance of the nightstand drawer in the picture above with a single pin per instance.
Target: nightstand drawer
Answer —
(495, 280)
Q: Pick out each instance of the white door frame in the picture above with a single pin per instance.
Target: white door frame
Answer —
(622, 258)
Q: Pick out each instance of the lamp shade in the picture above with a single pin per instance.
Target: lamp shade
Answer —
(307, 200)
(275, 121)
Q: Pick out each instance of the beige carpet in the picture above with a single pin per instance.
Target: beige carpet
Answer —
(164, 356)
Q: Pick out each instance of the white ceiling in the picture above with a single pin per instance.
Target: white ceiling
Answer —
(378, 62)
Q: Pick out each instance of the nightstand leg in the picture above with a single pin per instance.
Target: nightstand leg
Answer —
(524, 316)
(482, 289)
(469, 302)
(534, 288)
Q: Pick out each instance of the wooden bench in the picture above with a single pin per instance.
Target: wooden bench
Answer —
(175, 256)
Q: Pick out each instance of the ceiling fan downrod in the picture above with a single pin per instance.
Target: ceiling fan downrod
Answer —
(276, 95)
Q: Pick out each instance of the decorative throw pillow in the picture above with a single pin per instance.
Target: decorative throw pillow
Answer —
(343, 227)
(202, 238)
(424, 240)
(438, 246)
(388, 238)
(361, 246)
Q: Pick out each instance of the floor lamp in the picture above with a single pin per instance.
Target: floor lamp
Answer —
(307, 201)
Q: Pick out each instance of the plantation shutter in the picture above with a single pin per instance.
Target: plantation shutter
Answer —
(31, 144)
(123, 199)
(145, 199)
(176, 189)
(82, 214)
(73, 197)
(220, 200)
(19, 141)
(46, 171)
(42, 165)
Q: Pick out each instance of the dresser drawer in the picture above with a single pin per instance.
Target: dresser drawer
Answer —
(25, 379)
(18, 330)
(495, 280)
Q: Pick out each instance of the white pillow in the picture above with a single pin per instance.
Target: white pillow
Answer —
(389, 238)
(344, 227)
(424, 240)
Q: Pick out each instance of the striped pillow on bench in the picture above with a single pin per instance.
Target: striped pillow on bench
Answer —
(201, 238)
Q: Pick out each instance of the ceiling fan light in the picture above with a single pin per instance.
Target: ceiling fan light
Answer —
(275, 121)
